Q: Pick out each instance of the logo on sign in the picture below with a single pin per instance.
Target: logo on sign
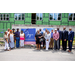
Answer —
(28, 35)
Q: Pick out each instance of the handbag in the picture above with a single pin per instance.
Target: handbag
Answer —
(41, 39)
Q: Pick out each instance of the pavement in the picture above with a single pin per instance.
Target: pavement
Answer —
(31, 54)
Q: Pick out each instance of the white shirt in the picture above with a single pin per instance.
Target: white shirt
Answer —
(48, 36)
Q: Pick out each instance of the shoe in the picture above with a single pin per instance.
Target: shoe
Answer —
(69, 51)
(8, 50)
(5, 49)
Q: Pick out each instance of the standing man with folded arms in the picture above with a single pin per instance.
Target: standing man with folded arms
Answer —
(64, 38)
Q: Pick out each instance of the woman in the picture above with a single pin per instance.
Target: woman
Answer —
(38, 36)
(48, 36)
(6, 42)
(11, 39)
(22, 38)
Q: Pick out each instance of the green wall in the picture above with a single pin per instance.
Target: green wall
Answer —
(27, 21)
(64, 20)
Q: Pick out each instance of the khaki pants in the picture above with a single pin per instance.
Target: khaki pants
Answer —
(51, 43)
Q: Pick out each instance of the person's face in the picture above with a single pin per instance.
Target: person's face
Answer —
(64, 28)
(70, 29)
(6, 33)
(17, 29)
(52, 31)
(46, 30)
(21, 31)
(13, 29)
(57, 28)
(55, 31)
(10, 31)
(40, 29)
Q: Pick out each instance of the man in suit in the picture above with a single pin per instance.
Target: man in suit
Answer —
(64, 38)
(60, 36)
(70, 39)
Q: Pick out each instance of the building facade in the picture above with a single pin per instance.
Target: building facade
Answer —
(9, 19)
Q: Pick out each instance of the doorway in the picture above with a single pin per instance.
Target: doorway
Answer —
(33, 19)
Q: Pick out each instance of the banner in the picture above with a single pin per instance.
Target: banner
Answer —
(30, 34)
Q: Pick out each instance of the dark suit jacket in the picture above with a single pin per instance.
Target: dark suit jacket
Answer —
(64, 35)
(60, 34)
(71, 36)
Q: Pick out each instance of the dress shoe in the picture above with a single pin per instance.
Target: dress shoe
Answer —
(69, 51)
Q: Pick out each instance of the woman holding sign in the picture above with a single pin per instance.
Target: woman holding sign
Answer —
(22, 38)
(38, 36)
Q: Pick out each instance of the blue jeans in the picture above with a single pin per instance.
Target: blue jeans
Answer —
(17, 41)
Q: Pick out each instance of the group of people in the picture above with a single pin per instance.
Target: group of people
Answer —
(49, 38)
(10, 37)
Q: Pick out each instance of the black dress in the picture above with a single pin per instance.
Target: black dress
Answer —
(37, 38)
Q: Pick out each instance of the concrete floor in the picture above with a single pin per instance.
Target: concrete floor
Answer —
(31, 54)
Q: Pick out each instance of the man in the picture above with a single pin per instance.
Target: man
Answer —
(17, 36)
(41, 37)
(70, 39)
(51, 40)
(41, 31)
(60, 36)
(64, 38)
(56, 39)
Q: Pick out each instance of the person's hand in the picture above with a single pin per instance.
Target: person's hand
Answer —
(47, 39)
(39, 37)
(56, 39)
(64, 39)
(70, 40)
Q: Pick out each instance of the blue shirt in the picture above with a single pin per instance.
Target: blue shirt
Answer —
(51, 34)
(41, 32)
(17, 34)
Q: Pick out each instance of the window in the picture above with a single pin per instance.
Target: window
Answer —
(71, 16)
(4, 17)
(19, 16)
(39, 16)
(55, 16)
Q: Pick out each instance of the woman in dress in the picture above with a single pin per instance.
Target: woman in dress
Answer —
(11, 39)
(22, 38)
(38, 36)
(6, 42)
(48, 36)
